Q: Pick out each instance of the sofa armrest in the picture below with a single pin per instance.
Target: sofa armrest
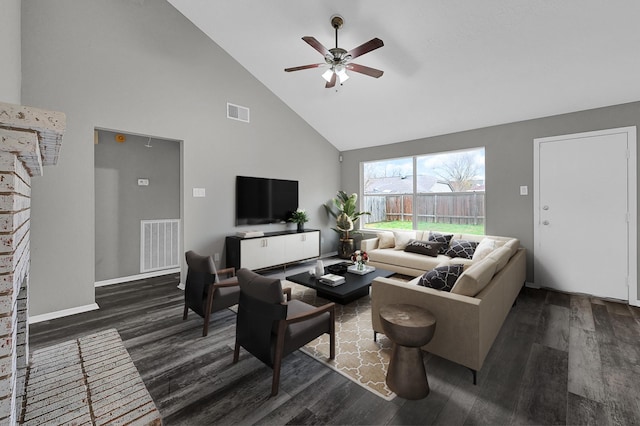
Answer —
(458, 318)
(369, 244)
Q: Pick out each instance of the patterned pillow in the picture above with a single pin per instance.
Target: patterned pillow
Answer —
(462, 248)
(441, 278)
(428, 248)
(441, 238)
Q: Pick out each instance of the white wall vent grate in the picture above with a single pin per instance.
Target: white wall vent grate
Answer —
(237, 112)
(159, 244)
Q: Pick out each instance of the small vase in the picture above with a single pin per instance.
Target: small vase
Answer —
(319, 269)
(360, 266)
(300, 226)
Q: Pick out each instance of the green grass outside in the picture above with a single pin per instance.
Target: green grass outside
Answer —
(440, 227)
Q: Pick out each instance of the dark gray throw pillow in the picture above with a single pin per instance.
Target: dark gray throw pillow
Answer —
(429, 248)
(440, 238)
(441, 278)
(462, 248)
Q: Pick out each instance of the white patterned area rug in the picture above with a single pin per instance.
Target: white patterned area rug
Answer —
(358, 357)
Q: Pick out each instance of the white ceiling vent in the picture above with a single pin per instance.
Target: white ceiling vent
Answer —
(237, 112)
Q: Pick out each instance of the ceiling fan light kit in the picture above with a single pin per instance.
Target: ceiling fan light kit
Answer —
(338, 59)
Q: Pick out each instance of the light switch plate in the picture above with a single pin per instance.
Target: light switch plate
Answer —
(524, 190)
(199, 192)
(143, 182)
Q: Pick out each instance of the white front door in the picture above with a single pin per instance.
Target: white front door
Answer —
(583, 200)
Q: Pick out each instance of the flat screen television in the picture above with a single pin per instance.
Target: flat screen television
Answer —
(262, 200)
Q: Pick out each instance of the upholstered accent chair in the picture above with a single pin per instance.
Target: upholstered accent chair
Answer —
(204, 292)
(270, 326)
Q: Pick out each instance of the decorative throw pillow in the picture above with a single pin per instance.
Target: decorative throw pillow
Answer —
(429, 248)
(484, 249)
(441, 278)
(441, 238)
(386, 240)
(403, 238)
(462, 248)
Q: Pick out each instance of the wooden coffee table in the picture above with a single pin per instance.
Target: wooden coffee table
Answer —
(355, 287)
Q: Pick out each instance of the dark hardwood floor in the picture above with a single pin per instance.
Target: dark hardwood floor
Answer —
(559, 359)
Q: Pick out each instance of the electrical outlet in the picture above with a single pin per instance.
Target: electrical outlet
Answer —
(216, 257)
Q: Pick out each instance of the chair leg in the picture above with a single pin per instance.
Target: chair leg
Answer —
(186, 312)
(236, 352)
(207, 311)
(332, 335)
(375, 336)
(275, 383)
(277, 358)
(205, 329)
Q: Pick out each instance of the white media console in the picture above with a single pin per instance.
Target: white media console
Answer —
(272, 249)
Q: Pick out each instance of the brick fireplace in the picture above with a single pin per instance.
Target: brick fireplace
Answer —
(30, 138)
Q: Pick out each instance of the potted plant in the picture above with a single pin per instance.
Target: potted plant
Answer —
(344, 209)
(299, 217)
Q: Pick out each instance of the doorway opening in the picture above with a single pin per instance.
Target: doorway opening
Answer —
(137, 206)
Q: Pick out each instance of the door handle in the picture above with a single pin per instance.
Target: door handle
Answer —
(546, 222)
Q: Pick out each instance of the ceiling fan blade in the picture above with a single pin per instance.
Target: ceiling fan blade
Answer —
(372, 44)
(331, 83)
(371, 72)
(303, 67)
(316, 45)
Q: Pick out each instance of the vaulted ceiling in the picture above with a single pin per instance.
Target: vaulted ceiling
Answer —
(449, 65)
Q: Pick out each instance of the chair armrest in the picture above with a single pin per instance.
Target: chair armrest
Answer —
(287, 291)
(230, 272)
(230, 282)
(329, 307)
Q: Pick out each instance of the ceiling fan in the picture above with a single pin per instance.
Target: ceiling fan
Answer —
(339, 60)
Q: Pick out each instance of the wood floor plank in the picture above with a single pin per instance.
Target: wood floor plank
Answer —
(553, 329)
(621, 380)
(543, 393)
(584, 411)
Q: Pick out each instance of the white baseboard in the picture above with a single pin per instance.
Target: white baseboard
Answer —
(531, 285)
(137, 277)
(63, 313)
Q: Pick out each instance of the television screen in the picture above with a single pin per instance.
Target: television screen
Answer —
(261, 200)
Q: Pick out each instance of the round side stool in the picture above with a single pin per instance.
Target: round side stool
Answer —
(409, 327)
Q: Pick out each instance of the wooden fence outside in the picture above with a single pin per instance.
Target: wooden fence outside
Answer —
(465, 208)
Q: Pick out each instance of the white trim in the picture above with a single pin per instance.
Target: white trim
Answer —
(137, 277)
(63, 313)
(632, 199)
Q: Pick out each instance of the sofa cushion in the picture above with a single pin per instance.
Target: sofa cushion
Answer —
(484, 249)
(386, 239)
(501, 256)
(475, 278)
(403, 238)
(405, 259)
(441, 238)
(441, 278)
(461, 248)
(429, 248)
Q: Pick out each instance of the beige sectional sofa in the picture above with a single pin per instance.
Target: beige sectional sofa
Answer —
(470, 316)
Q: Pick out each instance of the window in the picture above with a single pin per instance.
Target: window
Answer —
(442, 192)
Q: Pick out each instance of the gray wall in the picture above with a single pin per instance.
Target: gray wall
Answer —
(508, 160)
(121, 204)
(144, 68)
(10, 64)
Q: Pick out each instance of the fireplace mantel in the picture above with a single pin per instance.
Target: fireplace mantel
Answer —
(30, 138)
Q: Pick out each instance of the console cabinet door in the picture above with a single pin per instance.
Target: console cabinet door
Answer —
(302, 246)
(258, 253)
